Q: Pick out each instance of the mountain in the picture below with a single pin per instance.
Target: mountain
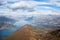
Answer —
(28, 32)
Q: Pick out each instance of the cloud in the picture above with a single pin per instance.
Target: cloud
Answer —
(55, 2)
(29, 8)
(26, 5)
(23, 5)
(24, 10)
(2, 2)
(46, 20)
(21, 23)
(32, 5)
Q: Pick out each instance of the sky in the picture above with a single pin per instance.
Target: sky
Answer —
(28, 11)
(25, 10)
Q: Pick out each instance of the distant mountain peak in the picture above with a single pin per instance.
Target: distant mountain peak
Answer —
(27, 25)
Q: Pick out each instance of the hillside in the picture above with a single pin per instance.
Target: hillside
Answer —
(28, 32)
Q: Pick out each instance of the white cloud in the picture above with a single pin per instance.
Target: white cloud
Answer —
(21, 22)
(3, 2)
(28, 4)
(55, 2)
(26, 14)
